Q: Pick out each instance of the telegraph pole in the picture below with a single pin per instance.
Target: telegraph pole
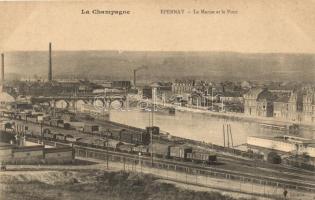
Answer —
(212, 99)
(223, 135)
(230, 131)
(151, 134)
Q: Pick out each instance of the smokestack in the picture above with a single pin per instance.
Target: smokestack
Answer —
(50, 65)
(2, 68)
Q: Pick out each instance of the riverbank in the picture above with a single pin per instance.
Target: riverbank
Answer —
(242, 116)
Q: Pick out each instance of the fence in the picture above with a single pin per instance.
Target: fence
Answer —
(184, 174)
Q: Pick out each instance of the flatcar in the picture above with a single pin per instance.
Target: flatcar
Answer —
(141, 148)
(128, 148)
(60, 136)
(114, 144)
(32, 119)
(71, 138)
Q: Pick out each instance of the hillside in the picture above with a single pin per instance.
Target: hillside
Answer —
(164, 65)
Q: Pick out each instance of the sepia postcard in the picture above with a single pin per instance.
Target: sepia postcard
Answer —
(157, 100)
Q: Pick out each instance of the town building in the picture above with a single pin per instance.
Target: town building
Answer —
(5, 100)
(295, 106)
(33, 153)
(258, 102)
(265, 104)
(283, 144)
(281, 107)
(231, 97)
(309, 106)
(250, 101)
(183, 86)
(121, 84)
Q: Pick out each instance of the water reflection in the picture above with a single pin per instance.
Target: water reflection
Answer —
(198, 126)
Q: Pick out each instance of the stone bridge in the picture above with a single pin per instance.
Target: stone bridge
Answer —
(77, 102)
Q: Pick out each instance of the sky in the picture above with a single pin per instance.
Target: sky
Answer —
(259, 26)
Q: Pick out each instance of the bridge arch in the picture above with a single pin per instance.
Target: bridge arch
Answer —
(61, 104)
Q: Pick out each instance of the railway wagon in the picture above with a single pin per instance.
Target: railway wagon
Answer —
(115, 133)
(66, 126)
(86, 141)
(155, 130)
(90, 128)
(113, 144)
(126, 136)
(46, 122)
(141, 138)
(202, 157)
(23, 116)
(79, 126)
(46, 130)
(32, 119)
(105, 133)
(160, 150)
(99, 142)
(69, 117)
(142, 149)
(60, 136)
(180, 152)
(56, 122)
(126, 148)
(71, 138)
(49, 135)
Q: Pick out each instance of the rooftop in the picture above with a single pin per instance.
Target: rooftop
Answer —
(287, 139)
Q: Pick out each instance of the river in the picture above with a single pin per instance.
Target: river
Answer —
(198, 126)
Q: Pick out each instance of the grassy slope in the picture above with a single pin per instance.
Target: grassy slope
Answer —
(100, 185)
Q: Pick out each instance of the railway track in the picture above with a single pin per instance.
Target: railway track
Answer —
(297, 184)
(294, 174)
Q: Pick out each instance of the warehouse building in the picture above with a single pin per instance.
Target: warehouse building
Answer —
(33, 153)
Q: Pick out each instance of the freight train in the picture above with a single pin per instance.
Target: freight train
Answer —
(177, 152)
(121, 134)
(124, 140)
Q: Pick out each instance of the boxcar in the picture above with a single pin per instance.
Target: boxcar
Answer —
(56, 122)
(126, 136)
(66, 126)
(32, 119)
(143, 138)
(46, 122)
(86, 141)
(115, 133)
(154, 129)
(90, 128)
(160, 150)
(202, 156)
(114, 144)
(180, 151)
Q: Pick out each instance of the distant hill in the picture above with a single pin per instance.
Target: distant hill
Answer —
(164, 65)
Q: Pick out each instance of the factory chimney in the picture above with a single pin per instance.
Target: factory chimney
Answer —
(50, 65)
(2, 69)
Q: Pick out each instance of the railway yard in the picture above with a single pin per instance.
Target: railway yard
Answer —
(101, 139)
